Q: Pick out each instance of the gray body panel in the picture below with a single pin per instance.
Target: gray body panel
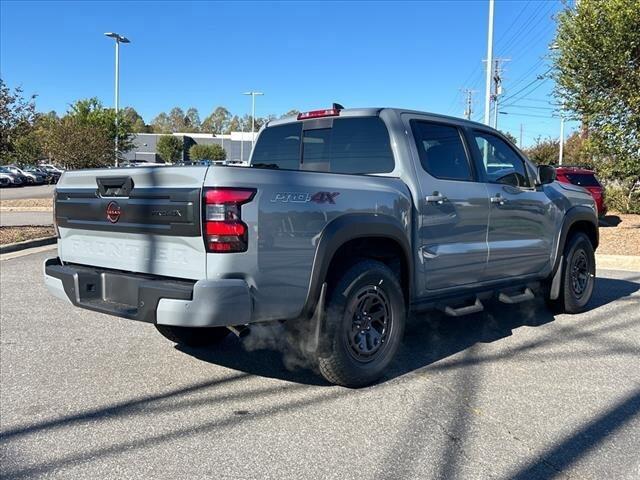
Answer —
(465, 242)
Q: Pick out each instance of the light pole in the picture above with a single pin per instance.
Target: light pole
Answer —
(119, 39)
(487, 93)
(253, 114)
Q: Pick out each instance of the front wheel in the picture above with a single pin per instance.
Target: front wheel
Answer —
(193, 336)
(365, 319)
(578, 275)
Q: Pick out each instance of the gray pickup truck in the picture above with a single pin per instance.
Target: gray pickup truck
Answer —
(346, 221)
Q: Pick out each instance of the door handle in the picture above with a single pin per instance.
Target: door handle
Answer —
(436, 198)
(498, 199)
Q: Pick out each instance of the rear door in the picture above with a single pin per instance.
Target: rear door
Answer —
(454, 208)
(521, 229)
(144, 220)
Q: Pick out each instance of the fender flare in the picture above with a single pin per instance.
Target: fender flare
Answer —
(344, 229)
(576, 214)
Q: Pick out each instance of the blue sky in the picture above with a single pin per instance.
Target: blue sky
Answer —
(303, 55)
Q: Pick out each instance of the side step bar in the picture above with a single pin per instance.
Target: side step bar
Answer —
(511, 299)
(458, 312)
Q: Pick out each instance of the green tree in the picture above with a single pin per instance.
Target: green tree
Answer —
(291, 113)
(217, 122)
(17, 118)
(135, 119)
(597, 73)
(544, 151)
(177, 120)
(192, 120)
(77, 144)
(161, 123)
(511, 137)
(170, 148)
(207, 152)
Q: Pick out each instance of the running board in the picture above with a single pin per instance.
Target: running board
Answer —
(458, 312)
(511, 299)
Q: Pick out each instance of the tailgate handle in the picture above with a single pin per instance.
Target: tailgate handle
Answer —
(114, 186)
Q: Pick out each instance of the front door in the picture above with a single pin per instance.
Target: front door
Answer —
(453, 209)
(521, 229)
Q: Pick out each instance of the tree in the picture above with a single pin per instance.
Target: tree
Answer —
(597, 73)
(192, 120)
(216, 122)
(177, 120)
(91, 112)
(207, 152)
(234, 125)
(77, 144)
(17, 117)
(544, 151)
(291, 113)
(161, 123)
(135, 120)
(511, 137)
(170, 148)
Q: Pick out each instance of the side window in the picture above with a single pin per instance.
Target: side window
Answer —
(501, 163)
(357, 145)
(441, 151)
(278, 147)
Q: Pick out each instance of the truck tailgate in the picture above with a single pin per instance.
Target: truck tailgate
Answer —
(145, 220)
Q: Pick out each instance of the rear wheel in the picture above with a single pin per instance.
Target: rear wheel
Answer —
(193, 336)
(364, 325)
(578, 275)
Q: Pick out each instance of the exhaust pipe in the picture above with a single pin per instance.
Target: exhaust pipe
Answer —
(239, 331)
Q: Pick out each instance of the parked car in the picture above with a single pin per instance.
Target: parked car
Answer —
(51, 168)
(46, 176)
(27, 177)
(11, 179)
(587, 179)
(344, 223)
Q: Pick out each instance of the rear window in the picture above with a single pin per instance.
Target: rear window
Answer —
(583, 179)
(278, 147)
(358, 145)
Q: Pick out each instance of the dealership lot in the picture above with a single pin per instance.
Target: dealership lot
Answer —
(513, 393)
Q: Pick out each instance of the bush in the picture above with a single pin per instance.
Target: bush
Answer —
(170, 148)
(623, 198)
(207, 152)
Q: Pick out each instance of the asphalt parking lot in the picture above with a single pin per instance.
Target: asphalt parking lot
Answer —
(514, 393)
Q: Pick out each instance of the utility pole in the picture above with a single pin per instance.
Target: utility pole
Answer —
(119, 39)
(487, 93)
(520, 144)
(468, 111)
(497, 87)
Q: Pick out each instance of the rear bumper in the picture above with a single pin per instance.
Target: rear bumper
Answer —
(205, 303)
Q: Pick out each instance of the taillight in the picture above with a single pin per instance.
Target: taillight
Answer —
(223, 230)
(55, 219)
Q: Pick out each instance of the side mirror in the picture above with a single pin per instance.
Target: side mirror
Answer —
(546, 174)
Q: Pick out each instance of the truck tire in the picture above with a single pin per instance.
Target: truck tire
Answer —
(193, 336)
(360, 344)
(578, 276)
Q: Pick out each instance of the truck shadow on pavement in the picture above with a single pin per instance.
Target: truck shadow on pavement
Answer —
(429, 338)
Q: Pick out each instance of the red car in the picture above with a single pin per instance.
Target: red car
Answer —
(585, 178)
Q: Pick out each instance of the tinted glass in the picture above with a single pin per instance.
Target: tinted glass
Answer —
(278, 147)
(501, 163)
(583, 179)
(360, 145)
(316, 144)
(441, 151)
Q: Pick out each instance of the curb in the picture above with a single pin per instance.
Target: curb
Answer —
(630, 263)
(36, 242)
